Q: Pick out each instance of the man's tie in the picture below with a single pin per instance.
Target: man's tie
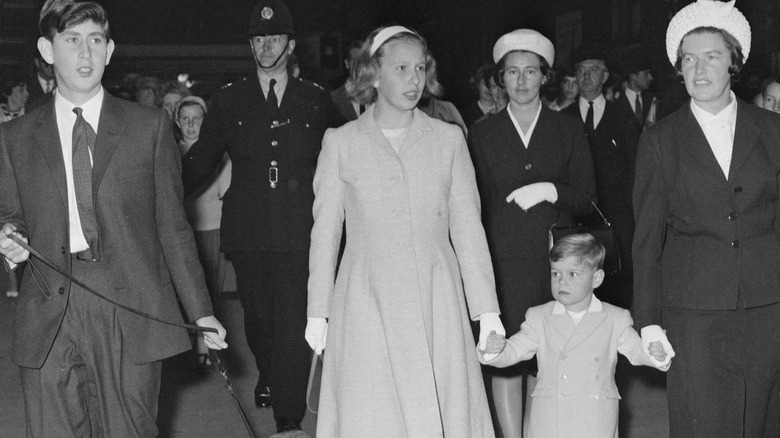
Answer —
(83, 145)
(638, 109)
(362, 108)
(589, 118)
(273, 102)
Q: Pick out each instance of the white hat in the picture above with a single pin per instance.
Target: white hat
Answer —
(707, 13)
(524, 39)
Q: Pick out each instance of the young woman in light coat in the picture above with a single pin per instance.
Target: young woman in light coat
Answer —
(400, 356)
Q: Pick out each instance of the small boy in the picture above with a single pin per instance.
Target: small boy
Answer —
(576, 339)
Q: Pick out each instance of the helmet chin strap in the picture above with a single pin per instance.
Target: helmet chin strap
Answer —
(277, 59)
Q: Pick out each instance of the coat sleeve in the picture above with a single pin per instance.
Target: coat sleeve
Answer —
(176, 238)
(328, 213)
(629, 341)
(523, 345)
(468, 235)
(650, 209)
(577, 191)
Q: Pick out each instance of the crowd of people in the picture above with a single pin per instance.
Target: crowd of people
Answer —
(406, 240)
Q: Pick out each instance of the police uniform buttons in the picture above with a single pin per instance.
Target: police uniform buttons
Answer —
(274, 143)
(307, 125)
(273, 163)
(528, 166)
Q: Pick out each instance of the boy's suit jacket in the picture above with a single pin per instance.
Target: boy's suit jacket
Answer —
(145, 240)
(575, 395)
(703, 241)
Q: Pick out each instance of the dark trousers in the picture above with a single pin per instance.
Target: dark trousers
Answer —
(723, 381)
(272, 289)
(88, 385)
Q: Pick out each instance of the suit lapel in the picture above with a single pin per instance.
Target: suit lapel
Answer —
(746, 134)
(690, 135)
(564, 328)
(110, 130)
(47, 137)
(589, 324)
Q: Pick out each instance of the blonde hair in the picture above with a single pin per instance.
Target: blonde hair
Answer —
(364, 68)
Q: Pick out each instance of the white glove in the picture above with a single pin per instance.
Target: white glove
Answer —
(489, 323)
(316, 333)
(532, 194)
(653, 333)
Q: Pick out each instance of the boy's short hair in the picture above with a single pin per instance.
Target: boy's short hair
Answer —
(584, 247)
(58, 15)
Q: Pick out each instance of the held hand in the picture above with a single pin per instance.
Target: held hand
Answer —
(10, 249)
(316, 333)
(656, 349)
(652, 334)
(489, 323)
(215, 341)
(532, 194)
(495, 344)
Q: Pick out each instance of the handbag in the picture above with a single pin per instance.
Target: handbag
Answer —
(600, 228)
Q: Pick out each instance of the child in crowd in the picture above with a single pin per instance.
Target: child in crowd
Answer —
(576, 339)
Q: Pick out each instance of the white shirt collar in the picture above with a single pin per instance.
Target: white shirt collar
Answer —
(727, 114)
(90, 109)
(525, 136)
(595, 306)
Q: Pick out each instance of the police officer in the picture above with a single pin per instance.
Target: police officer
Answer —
(271, 125)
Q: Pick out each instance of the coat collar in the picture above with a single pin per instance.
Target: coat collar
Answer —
(691, 136)
(568, 335)
(368, 126)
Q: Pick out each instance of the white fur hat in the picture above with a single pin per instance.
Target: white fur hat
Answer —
(524, 39)
(707, 13)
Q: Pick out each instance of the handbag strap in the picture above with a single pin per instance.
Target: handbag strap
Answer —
(603, 218)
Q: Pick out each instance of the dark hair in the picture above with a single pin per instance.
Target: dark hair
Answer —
(10, 80)
(58, 15)
(364, 69)
(584, 247)
(174, 87)
(481, 74)
(544, 67)
(734, 47)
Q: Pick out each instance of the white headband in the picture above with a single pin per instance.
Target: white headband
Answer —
(386, 34)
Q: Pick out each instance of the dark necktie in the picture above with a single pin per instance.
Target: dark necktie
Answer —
(589, 118)
(83, 145)
(273, 102)
(362, 108)
(638, 109)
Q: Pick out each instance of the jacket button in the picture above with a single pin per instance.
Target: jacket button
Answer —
(735, 244)
(61, 291)
(737, 189)
(732, 216)
(564, 377)
(274, 143)
(62, 250)
(528, 166)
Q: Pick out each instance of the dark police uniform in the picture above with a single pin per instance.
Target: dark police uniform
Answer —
(267, 211)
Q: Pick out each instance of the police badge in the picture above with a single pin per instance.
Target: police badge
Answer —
(267, 13)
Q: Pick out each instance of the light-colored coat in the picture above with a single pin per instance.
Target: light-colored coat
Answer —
(576, 395)
(400, 358)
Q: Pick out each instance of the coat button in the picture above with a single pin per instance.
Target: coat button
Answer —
(274, 143)
(732, 216)
(273, 163)
(528, 166)
(62, 250)
(61, 291)
(564, 377)
(735, 244)
(737, 189)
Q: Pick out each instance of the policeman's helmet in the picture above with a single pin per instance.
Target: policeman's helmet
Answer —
(271, 17)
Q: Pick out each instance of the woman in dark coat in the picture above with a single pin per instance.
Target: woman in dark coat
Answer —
(533, 165)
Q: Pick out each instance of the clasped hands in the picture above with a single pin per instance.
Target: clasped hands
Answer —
(532, 194)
